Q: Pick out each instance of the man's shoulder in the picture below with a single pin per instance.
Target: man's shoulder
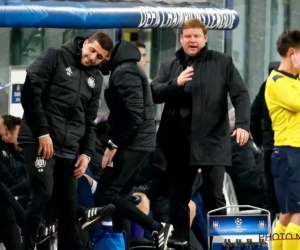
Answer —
(219, 55)
(46, 58)
(128, 64)
(51, 50)
(169, 61)
(167, 65)
(274, 77)
(52, 53)
(127, 68)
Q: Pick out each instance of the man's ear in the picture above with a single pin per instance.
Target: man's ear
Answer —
(206, 37)
(86, 41)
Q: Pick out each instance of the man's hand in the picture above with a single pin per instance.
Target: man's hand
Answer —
(242, 136)
(45, 147)
(81, 165)
(185, 76)
(296, 61)
(108, 157)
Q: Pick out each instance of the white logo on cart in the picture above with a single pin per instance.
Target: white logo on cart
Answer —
(238, 226)
(238, 221)
(261, 224)
(91, 82)
(40, 163)
(215, 225)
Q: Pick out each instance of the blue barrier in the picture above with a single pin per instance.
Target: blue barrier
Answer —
(101, 15)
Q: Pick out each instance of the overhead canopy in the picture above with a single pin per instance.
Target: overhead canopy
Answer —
(114, 14)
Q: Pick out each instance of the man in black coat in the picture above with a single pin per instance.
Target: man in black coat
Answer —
(263, 136)
(60, 98)
(194, 130)
(131, 131)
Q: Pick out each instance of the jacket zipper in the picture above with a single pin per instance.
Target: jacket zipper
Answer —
(78, 89)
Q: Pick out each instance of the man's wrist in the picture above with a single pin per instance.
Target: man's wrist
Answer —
(89, 158)
(43, 136)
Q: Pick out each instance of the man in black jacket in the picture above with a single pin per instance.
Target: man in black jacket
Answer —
(132, 137)
(263, 136)
(60, 98)
(194, 130)
(12, 169)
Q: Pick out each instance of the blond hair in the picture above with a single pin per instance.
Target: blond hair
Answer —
(194, 23)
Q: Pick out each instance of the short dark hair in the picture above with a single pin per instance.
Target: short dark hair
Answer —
(288, 39)
(11, 122)
(103, 39)
(139, 44)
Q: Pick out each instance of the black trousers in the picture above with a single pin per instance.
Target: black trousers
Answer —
(271, 203)
(212, 188)
(116, 184)
(52, 184)
(181, 179)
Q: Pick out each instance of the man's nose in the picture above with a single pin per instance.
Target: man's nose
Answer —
(93, 58)
(193, 39)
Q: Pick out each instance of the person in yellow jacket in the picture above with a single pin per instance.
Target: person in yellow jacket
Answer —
(283, 101)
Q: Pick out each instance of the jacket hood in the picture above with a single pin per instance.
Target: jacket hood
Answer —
(74, 46)
(123, 52)
(273, 65)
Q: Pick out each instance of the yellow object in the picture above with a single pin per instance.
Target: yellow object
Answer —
(282, 96)
(292, 231)
(278, 243)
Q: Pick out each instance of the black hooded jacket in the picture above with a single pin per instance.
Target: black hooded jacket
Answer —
(261, 125)
(129, 99)
(60, 97)
(12, 169)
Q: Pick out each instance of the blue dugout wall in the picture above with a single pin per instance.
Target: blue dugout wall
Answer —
(114, 14)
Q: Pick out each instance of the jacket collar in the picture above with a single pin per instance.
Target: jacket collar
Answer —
(181, 55)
